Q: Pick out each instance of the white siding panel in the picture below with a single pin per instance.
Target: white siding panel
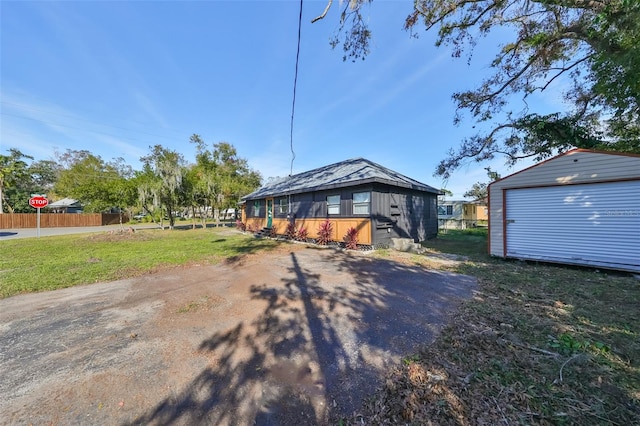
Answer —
(591, 224)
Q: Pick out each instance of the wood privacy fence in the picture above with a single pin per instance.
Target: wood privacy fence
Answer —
(58, 220)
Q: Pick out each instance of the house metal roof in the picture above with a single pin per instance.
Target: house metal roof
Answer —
(351, 172)
(65, 202)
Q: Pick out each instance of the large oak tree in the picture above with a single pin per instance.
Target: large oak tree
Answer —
(591, 46)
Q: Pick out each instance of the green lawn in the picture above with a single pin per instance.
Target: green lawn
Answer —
(29, 265)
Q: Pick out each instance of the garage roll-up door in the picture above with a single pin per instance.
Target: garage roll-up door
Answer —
(591, 224)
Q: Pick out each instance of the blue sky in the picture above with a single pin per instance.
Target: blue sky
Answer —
(116, 77)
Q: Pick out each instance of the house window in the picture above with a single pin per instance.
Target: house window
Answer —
(445, 210)
(256, 208)
(283, 206)
(361, 202)
(333, 204)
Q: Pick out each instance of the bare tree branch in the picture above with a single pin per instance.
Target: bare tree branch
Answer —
(326, 9)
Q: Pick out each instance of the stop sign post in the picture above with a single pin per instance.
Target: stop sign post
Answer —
(37, 202)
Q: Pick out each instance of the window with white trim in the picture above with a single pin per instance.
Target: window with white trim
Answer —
(361, 202)
(283, 206)
(333, 204)
(256, 208)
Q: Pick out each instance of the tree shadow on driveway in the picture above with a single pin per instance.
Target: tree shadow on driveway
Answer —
(331, 326)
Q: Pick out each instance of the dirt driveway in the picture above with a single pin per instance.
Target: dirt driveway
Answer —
(295, 336)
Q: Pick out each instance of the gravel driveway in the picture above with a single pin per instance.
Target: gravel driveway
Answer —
(295, 336)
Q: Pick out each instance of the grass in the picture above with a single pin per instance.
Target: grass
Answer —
(537, 344)
(30, 265)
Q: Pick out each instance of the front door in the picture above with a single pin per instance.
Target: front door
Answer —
(269, 212)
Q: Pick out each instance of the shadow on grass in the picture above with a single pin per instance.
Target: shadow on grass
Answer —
(330, 327)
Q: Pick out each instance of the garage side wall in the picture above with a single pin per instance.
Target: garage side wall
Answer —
(574, 167)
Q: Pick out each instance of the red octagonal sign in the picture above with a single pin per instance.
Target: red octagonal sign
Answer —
(38, 202)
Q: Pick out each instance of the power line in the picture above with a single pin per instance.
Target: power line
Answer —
(293, 107)
(295, 85)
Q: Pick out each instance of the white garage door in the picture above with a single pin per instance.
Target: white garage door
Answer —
(593, 224)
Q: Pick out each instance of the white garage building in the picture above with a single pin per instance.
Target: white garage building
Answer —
(581, 208)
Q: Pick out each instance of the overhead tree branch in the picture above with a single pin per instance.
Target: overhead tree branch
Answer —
(326, 10)
(593, 44)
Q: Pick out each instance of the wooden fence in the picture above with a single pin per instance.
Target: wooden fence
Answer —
(58, 220)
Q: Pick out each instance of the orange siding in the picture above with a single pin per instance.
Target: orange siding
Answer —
(340, 227)
(482, 212)
(256, 222)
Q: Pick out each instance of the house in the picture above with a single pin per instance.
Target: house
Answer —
(380, 203)
(66, 205)
(461, 214)
(581, 207)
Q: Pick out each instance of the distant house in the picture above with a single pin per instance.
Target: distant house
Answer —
(66, 205)
(581, 207)
(461, 214)
(379, 202)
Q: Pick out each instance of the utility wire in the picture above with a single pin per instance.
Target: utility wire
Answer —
(293, 108)
(295, 85)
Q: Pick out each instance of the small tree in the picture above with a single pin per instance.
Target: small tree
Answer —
(290, 232)
(480, 190)
(168, 169)
(302, 234)
(325, 231)
(351, 238)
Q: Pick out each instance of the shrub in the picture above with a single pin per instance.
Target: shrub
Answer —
(241, 225)
(302, 234)
(325, 230)
(253, 228)
(351, 239)
(273, 232)
(290, 232)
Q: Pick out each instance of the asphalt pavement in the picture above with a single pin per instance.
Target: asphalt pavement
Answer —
(9, 234)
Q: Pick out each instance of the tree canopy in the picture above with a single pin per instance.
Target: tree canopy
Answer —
(165, 170)
(480, 190)
(220, 177)
(591, 47)
(13, 170)
(97, 184)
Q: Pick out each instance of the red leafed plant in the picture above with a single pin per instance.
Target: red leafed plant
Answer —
(290, 232)
(241, 225)
(325, 230)
(302, 234)
(351, 238)
(273, 232)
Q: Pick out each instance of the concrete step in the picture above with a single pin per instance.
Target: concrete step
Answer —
(405, 244)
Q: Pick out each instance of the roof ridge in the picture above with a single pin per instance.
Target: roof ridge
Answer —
(339, 174)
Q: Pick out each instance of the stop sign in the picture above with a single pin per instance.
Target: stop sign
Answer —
(38, 202)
